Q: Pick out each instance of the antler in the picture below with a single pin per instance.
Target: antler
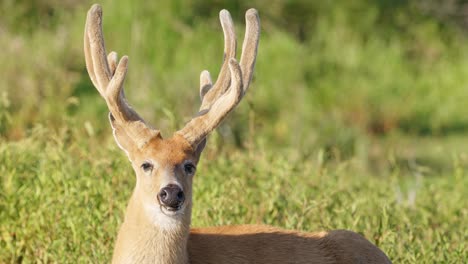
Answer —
(219, 100)
(108, 78)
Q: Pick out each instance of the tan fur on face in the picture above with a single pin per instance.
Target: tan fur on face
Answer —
(173, 150)
(168, 157)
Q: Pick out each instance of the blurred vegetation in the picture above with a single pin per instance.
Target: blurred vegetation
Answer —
(332, 75)
(354, 89)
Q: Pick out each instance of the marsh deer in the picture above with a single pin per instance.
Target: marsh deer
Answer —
(156, 228)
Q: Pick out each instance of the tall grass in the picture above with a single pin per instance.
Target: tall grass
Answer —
(62, 200)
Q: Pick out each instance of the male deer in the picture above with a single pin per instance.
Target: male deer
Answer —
(156, 228)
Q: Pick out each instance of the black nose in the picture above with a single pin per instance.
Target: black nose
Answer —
(171, 196)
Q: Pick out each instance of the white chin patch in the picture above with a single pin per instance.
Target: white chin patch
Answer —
(163, 218)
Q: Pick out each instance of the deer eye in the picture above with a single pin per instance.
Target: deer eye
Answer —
(189, 168)
(147, 166)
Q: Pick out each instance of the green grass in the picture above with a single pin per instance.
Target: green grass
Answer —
(63, 196)
(356, 119)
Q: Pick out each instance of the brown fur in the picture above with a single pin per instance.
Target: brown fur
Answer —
(265, 244)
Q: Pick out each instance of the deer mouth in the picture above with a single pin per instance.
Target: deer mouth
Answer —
(171, 211)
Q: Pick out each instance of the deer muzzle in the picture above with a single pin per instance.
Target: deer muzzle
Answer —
(172, 197)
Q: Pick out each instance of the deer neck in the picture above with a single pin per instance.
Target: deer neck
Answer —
(149, 237)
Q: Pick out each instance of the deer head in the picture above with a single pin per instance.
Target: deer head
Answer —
(165, 167)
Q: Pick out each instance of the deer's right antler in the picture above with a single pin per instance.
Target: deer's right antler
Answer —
(108, 78)
(232, 83)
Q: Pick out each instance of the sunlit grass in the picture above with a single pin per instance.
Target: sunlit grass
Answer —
(63, 196)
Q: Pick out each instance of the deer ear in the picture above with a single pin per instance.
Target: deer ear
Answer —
(200, 147)
(123, 140)
(132, 136)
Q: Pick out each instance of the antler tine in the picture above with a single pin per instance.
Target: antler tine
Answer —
(250, 46)
(108, 78)
(199, 127)
(230, 45)
(205, 84)
(112, 61)
(95, 51)
(89, 59)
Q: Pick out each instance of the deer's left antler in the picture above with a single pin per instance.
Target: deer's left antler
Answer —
(220, 99)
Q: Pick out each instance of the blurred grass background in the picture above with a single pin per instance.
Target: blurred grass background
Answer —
(356, 118)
